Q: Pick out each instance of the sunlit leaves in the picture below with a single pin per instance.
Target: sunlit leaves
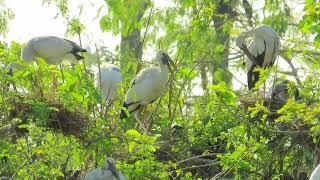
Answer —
(310, 22)
(6, 15)
(226, 95)
(75, 27)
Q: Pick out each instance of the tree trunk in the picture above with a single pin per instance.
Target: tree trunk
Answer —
(225, 13)
(131, 45)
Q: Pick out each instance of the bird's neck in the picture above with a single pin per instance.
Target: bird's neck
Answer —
(164, 68)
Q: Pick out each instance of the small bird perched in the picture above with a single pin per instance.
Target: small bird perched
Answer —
(108, 172)
(53, 50)
(108, 79)
(262, 52)
(148, 85)
(315, 174)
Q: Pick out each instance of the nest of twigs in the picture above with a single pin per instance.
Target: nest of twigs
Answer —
(56, 116)
(249, 100)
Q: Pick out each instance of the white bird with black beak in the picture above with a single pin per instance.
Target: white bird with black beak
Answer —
(108, 79)
(108, 172)
(53, 50)
(262, 51)
(148, 85)
(315, 174)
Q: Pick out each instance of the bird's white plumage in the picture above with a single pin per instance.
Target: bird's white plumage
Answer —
(111, 78)
(315, 174)
(105, 173)
(262, 34)
(148, 85)
(263, 49)
(53, 50)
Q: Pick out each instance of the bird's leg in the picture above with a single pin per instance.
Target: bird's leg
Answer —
(37, 85)
(139, 121)
(147, 114)
(62, 74)
(54, 84)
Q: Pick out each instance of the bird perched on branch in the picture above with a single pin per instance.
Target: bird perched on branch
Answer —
(53, 50)
(108, 79)
(262, 51)
(108, 172)
(148, 85)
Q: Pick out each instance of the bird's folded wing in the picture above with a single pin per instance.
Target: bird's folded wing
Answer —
(51, 46)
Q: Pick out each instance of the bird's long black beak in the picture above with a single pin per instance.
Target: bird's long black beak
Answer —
(113, 169)
(170, 63)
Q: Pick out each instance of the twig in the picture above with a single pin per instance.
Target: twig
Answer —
(202, 165)
(99, 70)
(196, 157)
(144, 37)
(80, 42)
(290, 132)
(185, 82)
(294, 71)
(223, 173)
(250, 56)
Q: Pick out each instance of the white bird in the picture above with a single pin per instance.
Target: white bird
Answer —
(53, 50)
(315, 174)
(148, 85)
(262, 52)
(108, 79)
(108, 172)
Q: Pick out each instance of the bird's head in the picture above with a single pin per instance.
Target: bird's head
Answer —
(240, 41)
(165, 59)
(111, 166)
(283, 90)
(110, 162)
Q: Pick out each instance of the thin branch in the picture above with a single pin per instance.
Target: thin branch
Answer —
(247, 52)
(294, 71)
(196, 157)
(202, 165)
(290, 132)
(298, 51)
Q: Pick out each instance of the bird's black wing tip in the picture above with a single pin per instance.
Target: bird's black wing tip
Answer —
(123, 114)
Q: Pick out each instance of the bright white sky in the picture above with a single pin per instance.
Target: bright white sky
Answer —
(34, 19)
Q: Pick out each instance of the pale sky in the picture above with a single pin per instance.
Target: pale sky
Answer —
(34, 19)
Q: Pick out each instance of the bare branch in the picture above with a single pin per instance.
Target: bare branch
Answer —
(294, 70)
(197, 157)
